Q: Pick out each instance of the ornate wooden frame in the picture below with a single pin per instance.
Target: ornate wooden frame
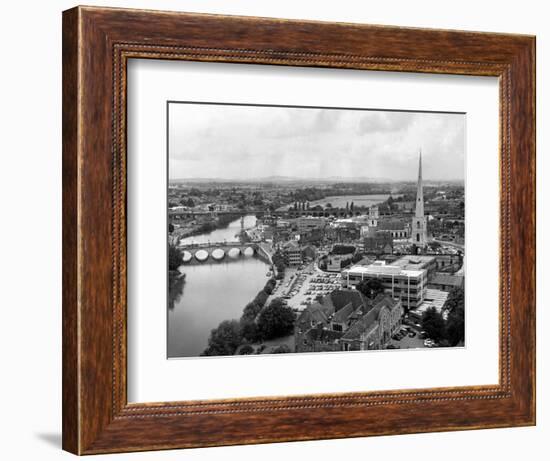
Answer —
(97, 43)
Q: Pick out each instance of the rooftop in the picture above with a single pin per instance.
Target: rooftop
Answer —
(447, 279)
(413, 262)
(392, 225)
(291, 245)
(367, 321)
(382, 269)
(433, 298)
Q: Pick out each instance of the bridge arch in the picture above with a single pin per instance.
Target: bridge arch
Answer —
(218, 254)
(201, 255)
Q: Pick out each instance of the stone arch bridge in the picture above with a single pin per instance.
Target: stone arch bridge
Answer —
(217, 251)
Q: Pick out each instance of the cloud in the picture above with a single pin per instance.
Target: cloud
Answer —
(250, 142)
(384, 122)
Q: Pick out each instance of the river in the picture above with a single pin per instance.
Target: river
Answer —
(212, 292)
(229, 233)
(339, 201)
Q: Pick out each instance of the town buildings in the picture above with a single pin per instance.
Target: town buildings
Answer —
(432, 298)
(405, 279)
(346, 320)
(446, 282)
(292, 253)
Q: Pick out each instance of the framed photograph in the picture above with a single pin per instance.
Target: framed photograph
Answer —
(284, 230)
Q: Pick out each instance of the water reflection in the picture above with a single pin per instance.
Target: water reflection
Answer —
(211, 292)
(175, 289)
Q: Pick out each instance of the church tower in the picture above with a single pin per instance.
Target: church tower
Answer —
(419, 234)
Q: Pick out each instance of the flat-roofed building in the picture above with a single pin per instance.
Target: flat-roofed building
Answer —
(417, 262)
(307, 223)
(407, 285)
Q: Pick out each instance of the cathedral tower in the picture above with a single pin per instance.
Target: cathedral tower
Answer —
(419, 234)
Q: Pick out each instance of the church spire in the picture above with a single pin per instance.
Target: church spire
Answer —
(419, 190)
(419, 231)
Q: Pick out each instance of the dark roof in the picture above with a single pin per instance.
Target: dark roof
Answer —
(323, 334)
(342, 297)
(391, 225)
(343, 314)
(368, 320)
(317, 312)
(379, 237)
(446, 279)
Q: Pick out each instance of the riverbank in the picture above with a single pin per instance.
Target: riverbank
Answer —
(221, 222)
(232, 334)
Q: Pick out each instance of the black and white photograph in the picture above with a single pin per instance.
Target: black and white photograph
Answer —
(297, 229)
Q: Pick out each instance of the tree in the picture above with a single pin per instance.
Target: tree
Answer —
(282, 349)
(433, 324)
(250, 312)
(224, 339)
(455, 300)
(345, 262)
(188, 202)
(455, 326)
(175, 258)
(247, 349)
(276, 320)
(455, 320)
(278, 259)
(250, 331)
(170, 228)
(269, 286)
(370, 288)
(261, 298)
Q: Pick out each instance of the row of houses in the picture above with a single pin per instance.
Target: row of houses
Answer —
(346, 320)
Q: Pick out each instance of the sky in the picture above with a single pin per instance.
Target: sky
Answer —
(251, 142)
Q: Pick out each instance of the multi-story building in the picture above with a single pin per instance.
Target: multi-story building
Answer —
(292, 253)
(406, 284)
